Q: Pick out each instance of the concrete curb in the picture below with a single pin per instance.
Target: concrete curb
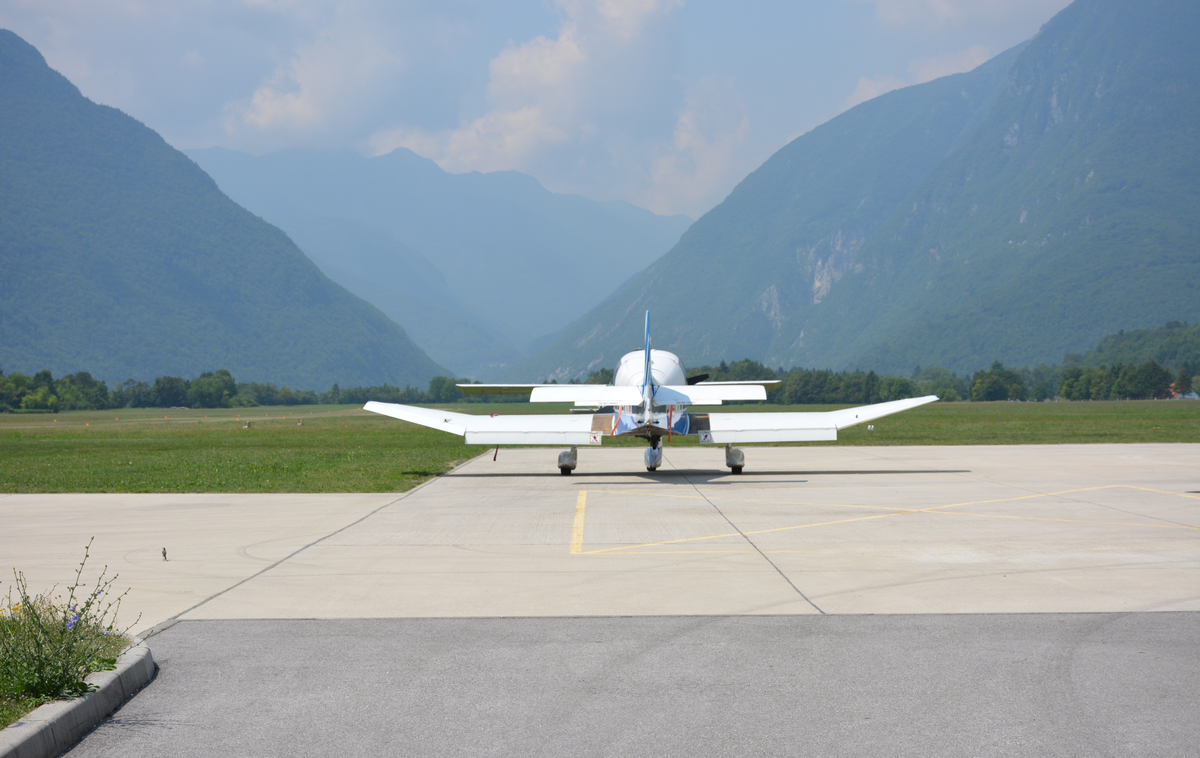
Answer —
(54, 728)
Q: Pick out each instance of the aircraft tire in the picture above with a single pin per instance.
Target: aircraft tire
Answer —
(565, 471)
(737, 469)
(650, 468)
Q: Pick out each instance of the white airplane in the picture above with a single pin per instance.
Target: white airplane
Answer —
(648, 398)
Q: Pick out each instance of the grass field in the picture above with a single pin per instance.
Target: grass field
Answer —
(345, 449)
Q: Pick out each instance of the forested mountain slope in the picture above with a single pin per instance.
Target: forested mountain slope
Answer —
(122, 258)
(1175, 345)
(520, 262)
(787, 234)
(1018, 212)
(1071, 213)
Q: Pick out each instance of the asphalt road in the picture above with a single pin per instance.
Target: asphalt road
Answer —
(851, 685)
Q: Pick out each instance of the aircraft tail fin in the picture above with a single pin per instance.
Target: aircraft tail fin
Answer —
(646, 378)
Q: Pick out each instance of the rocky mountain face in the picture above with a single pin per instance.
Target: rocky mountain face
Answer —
(1017, 212)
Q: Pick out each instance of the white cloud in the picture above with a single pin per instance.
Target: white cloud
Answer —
(926, 69)
(705, 152)
(326, 83)
(597, 109)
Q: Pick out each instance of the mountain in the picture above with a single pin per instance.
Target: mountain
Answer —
(1017, 212)
(521, 262)
(1071, 213)
(122, 258)
(786, 235)
(406, 286)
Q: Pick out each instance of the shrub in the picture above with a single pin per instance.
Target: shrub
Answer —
(47, 648)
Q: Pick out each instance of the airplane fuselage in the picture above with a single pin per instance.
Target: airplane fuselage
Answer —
(653, 420)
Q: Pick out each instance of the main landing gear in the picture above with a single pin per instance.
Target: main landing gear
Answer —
(567, 460)
(654, 454)
(735, 459)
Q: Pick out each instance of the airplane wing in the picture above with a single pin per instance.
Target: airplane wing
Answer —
(546, 429)
(800, 427)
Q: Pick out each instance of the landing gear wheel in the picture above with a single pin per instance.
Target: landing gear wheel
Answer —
(565, 471)
(736, 469)
(652, 468)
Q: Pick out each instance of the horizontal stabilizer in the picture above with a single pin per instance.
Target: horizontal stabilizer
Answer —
(586, 394)
(499, 389)
(768, 383)
(545, 429)
(800, 427)
(708, 394)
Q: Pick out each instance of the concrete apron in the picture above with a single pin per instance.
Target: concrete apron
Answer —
(972, 529)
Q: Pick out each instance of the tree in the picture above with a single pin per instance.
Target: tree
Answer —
(941, 382)
(987, 386)
(212, 389)
(1152, 381)
(132, 394)
(442, 390)
(1070, 384)
(41, 399)
(1183, 384)
(86, 393)
(896, 388)
(600, 376)
(169, 391)
(998, 383)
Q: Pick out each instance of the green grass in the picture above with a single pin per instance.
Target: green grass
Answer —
(336, 449)
(15, 706)
(345, 449)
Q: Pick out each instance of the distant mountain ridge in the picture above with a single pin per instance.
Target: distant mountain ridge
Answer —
(518, 262)
(122, 258)
(1018, 212)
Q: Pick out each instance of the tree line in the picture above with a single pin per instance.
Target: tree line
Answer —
(798, 386)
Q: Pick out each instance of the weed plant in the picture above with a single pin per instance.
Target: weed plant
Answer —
(48, 647)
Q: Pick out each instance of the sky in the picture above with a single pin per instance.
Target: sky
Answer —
(666, 104)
